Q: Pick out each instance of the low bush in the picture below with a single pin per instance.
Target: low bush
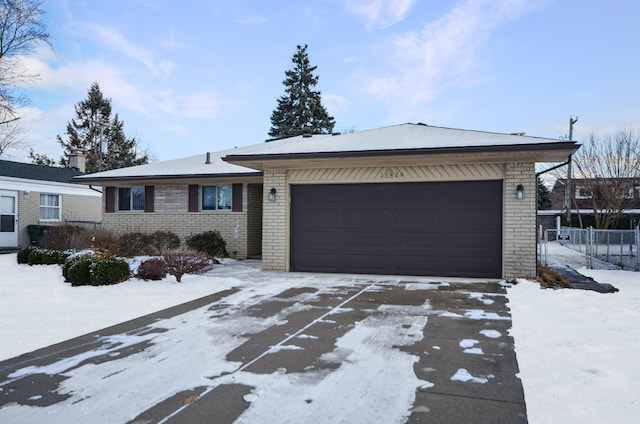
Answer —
(66, 236)
(95, 267)
(135, 244)
(109, 270)
(209, 242)
(163, 241)
(77, 271)
(34, 255)
(152, 269)
(179, 263)
(23, 255)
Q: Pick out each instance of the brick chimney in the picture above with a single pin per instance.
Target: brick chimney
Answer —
(77, 160)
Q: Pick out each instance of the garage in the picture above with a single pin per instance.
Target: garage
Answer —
(451, 229)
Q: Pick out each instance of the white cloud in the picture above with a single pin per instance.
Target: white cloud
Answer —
(442, 53)
(380, 13)
(114, 39)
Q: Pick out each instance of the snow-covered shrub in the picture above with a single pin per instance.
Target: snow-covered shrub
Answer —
(209, 242)
(183, 262)
(152, 269)
(95, 267)
(34, 255)
(109, 270)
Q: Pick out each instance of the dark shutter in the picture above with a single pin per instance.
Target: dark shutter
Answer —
(236, 205)
(110, 200)
(193, 198)
(149, 198)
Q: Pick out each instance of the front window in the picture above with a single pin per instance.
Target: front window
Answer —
(131, 199)
(50, 207)
(216, 197)
(583, 193)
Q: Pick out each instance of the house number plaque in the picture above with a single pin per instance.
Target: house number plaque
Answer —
(391, 173)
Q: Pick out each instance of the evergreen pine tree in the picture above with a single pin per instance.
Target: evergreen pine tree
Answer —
(91, 127)
(544, 196)
(300, 109)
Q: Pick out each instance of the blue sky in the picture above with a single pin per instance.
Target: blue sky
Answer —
(204, 75)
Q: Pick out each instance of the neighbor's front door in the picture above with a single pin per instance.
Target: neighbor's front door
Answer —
(8, 219)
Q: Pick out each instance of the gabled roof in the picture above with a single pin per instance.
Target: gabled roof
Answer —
(30, 171)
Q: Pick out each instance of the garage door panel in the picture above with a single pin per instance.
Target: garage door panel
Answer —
(318, 262)
(364, 240)
(322, 216)
(316, 240)
(415, 240)
(410, 217)
(443, 229)
(364, 264)
(364, 217)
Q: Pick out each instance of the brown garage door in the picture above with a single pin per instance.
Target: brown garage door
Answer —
(451, 229)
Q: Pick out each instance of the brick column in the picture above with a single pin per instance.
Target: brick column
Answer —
(520, 221)
(275, 221)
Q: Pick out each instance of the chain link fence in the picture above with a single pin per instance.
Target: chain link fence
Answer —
(617, 247)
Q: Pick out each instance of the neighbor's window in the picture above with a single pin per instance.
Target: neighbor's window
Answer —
(216, 197)
(131, 199)
(50, 207)
(583, 193)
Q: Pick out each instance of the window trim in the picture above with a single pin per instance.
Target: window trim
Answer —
(583, 196)
(58, 208)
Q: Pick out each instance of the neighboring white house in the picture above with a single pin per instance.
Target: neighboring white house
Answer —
(41, 195)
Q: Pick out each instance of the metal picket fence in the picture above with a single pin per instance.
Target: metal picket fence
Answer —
(617, 247)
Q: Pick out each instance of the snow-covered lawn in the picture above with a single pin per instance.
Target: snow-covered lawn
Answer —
(577, 350)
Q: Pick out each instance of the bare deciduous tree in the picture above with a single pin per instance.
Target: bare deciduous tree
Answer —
(609, 171)
(21, 29)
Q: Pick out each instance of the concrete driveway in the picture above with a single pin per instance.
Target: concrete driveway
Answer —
(286, 348)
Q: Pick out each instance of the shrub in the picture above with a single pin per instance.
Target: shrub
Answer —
(109, 270)
(95, 267)
(180, 262)
(135, 244)
(152, 269)
(163, 241)
(209, 242)
(78, 271)
(34, 255)
(102, 239)
(66, 236)
(23, 255)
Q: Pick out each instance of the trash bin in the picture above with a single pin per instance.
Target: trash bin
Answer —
(36, 232)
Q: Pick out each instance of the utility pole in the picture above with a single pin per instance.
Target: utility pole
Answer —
(569, 195)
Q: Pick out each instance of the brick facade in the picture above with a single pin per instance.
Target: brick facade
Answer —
(275, 221)
(519, 255)
(238, 229)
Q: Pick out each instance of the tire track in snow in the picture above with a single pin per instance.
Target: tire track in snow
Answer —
(271, 349)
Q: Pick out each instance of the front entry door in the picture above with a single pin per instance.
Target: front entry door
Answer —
(8, 219)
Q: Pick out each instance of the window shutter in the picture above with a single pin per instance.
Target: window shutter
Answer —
(193, 198)
(149, 198)
(236, 205)
(110, 200)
